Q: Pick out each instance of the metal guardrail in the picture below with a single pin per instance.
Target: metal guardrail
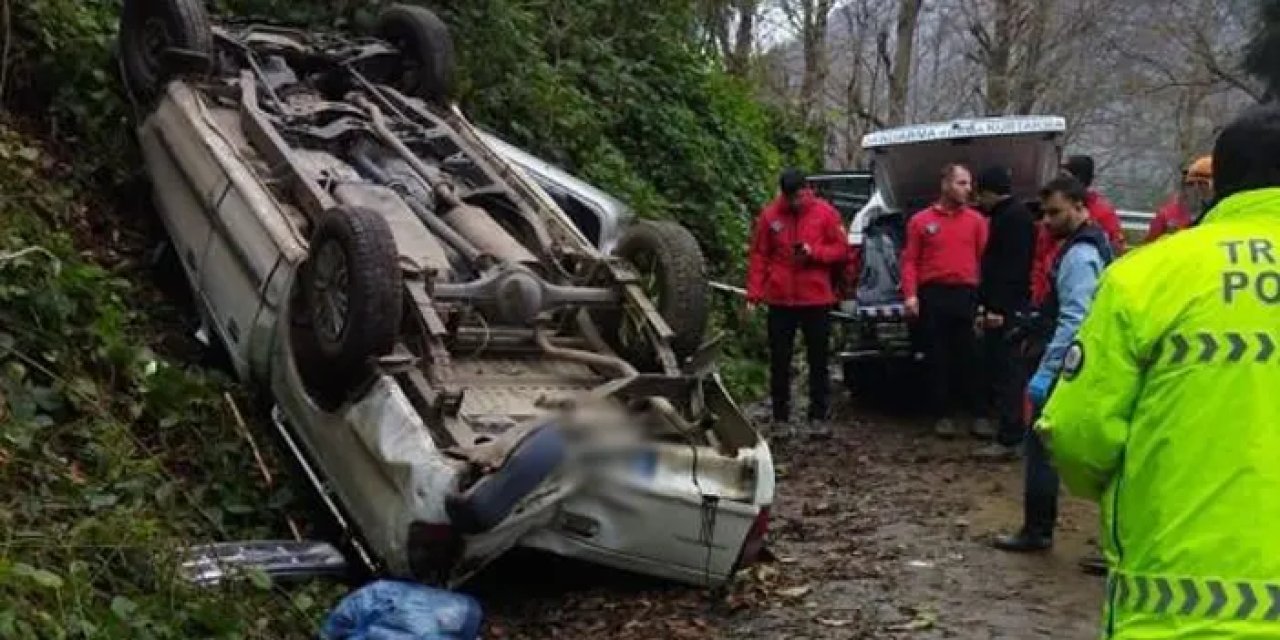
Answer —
(728, 288)
(742, 293)
(1133, 221)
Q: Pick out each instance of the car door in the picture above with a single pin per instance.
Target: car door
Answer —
(231, 228)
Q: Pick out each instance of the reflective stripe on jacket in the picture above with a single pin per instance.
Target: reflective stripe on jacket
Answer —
(1167, 414)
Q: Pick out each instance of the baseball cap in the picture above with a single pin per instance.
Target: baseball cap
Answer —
(792, 181)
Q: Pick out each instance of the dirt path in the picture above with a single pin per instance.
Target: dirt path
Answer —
(880, 533)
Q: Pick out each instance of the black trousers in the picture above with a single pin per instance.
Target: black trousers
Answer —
(947, 314)
(1005, 367)
(815, 324)
(1040, 497)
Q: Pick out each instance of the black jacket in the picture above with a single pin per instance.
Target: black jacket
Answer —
(1006, 264)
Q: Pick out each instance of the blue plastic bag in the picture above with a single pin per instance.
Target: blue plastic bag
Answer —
(393, 610)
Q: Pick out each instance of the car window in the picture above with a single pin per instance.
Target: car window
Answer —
(583, 215)
(847, 192)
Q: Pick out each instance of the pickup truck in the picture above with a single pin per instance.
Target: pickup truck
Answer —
(878, 349)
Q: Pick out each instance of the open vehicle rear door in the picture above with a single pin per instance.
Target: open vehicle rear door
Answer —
(848, 191)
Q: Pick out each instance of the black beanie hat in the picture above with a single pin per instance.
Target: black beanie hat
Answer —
(996, 179)
(792, 181)
(1081, 167)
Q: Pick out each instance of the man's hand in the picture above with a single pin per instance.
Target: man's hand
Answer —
(748, 310)
(802, 252)
(913, 307)
(992, 320)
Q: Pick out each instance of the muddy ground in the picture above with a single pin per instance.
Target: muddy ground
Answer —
(881, 532)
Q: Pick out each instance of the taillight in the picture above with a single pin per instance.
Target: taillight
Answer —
(754, 544)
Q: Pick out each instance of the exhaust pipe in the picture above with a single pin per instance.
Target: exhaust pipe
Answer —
(472, 223)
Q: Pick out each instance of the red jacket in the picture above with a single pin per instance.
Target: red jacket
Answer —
(775, 275)
(1172, 216)
(1104, 213)
(1045, 252)
(943, 247)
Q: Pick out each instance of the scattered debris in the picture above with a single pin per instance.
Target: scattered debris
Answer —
(829, 622)
(795, 593)
(387, 608)
(923, 620)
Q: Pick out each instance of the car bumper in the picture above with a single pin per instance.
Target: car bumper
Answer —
(876, 332)
(667, 524)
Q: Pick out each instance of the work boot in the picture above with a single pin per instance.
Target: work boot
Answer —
(817, 429)
(996, 452)
(983, 428)
(1024, 541)
(945, 428)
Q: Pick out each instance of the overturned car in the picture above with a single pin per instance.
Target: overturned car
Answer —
(458, 365)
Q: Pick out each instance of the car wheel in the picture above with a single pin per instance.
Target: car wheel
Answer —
(673, 273)
(152, 32)
(351, 289)
(427, 62)
(865, 379)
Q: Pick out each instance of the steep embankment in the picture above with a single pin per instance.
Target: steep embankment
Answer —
(114, 451)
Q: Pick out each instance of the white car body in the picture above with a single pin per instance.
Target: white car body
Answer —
(686, 514)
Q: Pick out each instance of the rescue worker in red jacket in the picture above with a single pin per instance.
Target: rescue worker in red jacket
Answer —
(1185, 206)
(797, 243)
(941, 265)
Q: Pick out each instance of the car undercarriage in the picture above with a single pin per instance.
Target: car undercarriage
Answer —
(453, 361)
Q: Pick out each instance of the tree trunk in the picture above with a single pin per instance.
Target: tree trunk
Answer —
(900, 78)
(998, 58)
(739, 60)
(1031, 73)
(813, 34)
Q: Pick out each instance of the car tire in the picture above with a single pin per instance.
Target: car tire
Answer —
(149, 30)
(892, 386)
(351, 289)
(672, 265)
(864, 378)
(428, 62)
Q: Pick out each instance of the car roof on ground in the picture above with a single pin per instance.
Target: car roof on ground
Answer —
(965, 128)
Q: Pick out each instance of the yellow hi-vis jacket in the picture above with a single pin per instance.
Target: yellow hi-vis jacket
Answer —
(1168, 414)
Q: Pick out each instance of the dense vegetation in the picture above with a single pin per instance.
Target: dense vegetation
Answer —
(111, 454)
(114, 447)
